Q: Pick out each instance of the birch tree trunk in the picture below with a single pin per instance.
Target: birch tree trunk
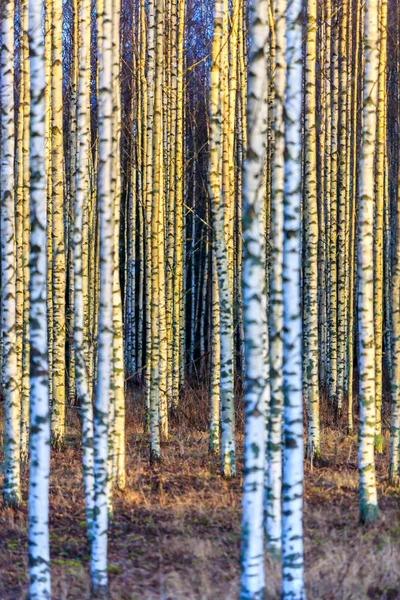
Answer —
(118, 375)
(394, 466)
(38, 531)
(81, 197)
(273, 473)
(228, 459)
(25, 115)
(311, 233)
(105, 322)
(379, 224)
(366, 330)
(58, 248)
(11, 380)
(256, 395)
(292, 527)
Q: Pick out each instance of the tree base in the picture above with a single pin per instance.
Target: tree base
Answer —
(155, 458)
(99, 592)
(369, 513)
(12, 500)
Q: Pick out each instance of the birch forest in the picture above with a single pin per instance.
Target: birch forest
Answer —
(200, 299)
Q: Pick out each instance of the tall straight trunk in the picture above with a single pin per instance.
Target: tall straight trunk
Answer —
(178, 298)
(148, 205)
(81, 194)
(333, 209)
(256, 393)
(156, 232)
(327, 184)
(105, 322)
(343, 200)
(18, 220)
(118, 375)
(143, 187)
(48, 9)
(70, 181)
(273, 475)
(215, 361)
(353, 236)
(379, 223)
(292, 527)
(58, 248)
(394, 465)
(25, 233)
(173, 354)
(11, 379)
(228, 458)
(38, 527)
(366, 330)
(311, 228)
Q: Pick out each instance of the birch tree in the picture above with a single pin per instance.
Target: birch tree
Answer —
(105, 323)
(273, 474)
(38, 527)
(292, 528)
(58, 243)
(366, 330)
(228, 458)
(81, 195)
(254, 310)
(11, 380)
(311, 234)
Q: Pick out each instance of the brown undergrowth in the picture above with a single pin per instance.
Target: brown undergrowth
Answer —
(176, 530)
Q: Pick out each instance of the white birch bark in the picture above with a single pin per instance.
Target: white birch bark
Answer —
(292, 527)
(81, 194)
(254, 310)
(11, 379)
(38, 531)
(311, 242)
(394, 465)
(118, 377)
(228, 459)
(274, 464)
(366, 329)
(105, 323)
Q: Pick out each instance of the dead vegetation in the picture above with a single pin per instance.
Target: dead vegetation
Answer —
(176, 531)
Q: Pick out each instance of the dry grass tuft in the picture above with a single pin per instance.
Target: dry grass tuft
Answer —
(176, 532)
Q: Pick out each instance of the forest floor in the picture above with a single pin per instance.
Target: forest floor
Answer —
(176, 531)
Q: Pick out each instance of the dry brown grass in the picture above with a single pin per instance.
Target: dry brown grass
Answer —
(176, 532)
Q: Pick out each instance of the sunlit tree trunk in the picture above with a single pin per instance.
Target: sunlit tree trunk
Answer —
(118, 376)
(156, 232)
(311, 234)
(49, 190)
(83, 386)
(58, 248)
(178, 301)
(379, 223)
(148, 206)
(342, 213)
(23, 228)
(394, 466)
(366, 330)
(353, 232)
